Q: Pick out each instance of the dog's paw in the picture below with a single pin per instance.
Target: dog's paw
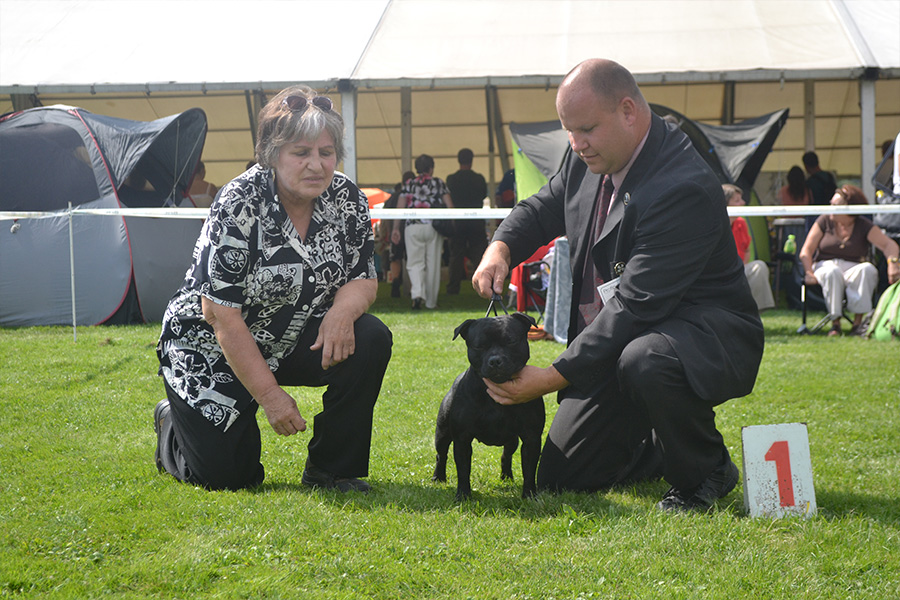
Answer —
(462, 495)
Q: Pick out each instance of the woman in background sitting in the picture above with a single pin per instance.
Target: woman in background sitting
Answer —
(835, 256)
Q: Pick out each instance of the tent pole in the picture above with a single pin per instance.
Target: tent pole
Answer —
(492, 176)
(809, 115)
(867, 140)
(348, 112)
(72, 272)
(406, 162)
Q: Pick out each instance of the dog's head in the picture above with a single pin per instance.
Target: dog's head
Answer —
(497, 346)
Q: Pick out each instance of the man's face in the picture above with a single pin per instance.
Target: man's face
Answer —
(599, 133)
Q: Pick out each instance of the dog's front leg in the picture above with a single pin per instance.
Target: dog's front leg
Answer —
(462, 455)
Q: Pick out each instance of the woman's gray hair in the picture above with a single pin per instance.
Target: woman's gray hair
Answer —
(279, 125)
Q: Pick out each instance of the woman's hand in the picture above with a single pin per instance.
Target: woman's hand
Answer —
(810, 279)
(281, 411)
(893, 272)
(336, 338)
(248, 364)
(395, 236)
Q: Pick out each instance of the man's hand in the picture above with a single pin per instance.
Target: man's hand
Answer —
(526, 385)
(492, 271)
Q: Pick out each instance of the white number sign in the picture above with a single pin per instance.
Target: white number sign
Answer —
(778, 477)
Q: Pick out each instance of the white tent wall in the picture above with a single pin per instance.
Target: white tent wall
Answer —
(812, 56)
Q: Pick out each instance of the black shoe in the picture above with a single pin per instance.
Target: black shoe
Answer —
(417, 304)
(317, 478)
(395, 289)
(717, 485)
(160, 414)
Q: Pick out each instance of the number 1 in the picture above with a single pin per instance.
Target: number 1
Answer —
(781, 455)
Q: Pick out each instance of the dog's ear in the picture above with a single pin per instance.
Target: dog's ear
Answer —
(463, 328)
(528, 320)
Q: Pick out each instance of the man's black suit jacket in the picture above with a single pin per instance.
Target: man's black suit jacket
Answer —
(682, 277)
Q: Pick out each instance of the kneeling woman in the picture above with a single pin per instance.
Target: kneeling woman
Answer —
(282, 276)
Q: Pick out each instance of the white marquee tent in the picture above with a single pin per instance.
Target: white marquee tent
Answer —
(414, 76)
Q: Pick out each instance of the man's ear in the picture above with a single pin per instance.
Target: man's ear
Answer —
(629, 110)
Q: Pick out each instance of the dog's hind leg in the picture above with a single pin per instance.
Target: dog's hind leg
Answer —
(442, 441)
(506, 458)
(531, 453)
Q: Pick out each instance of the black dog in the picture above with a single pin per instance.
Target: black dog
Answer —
(497, 349)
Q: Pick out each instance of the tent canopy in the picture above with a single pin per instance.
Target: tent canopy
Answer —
(433, 76)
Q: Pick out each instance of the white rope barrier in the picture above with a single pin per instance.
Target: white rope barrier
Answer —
(447, 213)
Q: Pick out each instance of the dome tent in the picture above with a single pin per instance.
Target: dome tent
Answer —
(125, 268)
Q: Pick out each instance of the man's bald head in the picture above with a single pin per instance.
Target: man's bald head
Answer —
(609, 81)
(604, 114)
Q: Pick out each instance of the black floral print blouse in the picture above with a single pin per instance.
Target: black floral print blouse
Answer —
(249, 256)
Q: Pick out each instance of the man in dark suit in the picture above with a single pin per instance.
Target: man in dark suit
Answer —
(678, 333)
(468, 189)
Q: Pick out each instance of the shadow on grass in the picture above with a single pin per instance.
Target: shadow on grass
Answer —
(835, 505)
(504, 499)
(500, 498)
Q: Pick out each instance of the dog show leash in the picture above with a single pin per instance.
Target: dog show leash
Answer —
(495, 300)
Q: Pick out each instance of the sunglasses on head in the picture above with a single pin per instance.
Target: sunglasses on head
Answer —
(299, 103)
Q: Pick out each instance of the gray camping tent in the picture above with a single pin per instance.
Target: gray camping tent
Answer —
(734, 152)
(125, 268)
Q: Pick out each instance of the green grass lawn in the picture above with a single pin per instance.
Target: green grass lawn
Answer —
(84, 514)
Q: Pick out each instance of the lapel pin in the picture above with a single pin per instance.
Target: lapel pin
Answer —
(619, 268)
(627, 198)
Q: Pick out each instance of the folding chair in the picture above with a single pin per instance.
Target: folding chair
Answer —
(534, 289)
(812, 294)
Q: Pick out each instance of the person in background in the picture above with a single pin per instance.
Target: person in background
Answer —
(423, 242)
(663, 326)
(888, 222)
(795, 192)
(756, 271)
(468, 189)
(397, 251)
(821, 184)
(835, 256)
(282, 276)
(506, 190)
(202, 192)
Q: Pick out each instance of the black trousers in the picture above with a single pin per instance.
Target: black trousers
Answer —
(193, 450)
(469, 241)
(644, 421)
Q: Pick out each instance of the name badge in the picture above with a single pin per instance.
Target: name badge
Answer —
(607, 290)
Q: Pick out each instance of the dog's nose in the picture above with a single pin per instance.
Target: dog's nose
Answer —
(495, 362)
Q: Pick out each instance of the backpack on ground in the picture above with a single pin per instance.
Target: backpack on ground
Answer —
(885, 323)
